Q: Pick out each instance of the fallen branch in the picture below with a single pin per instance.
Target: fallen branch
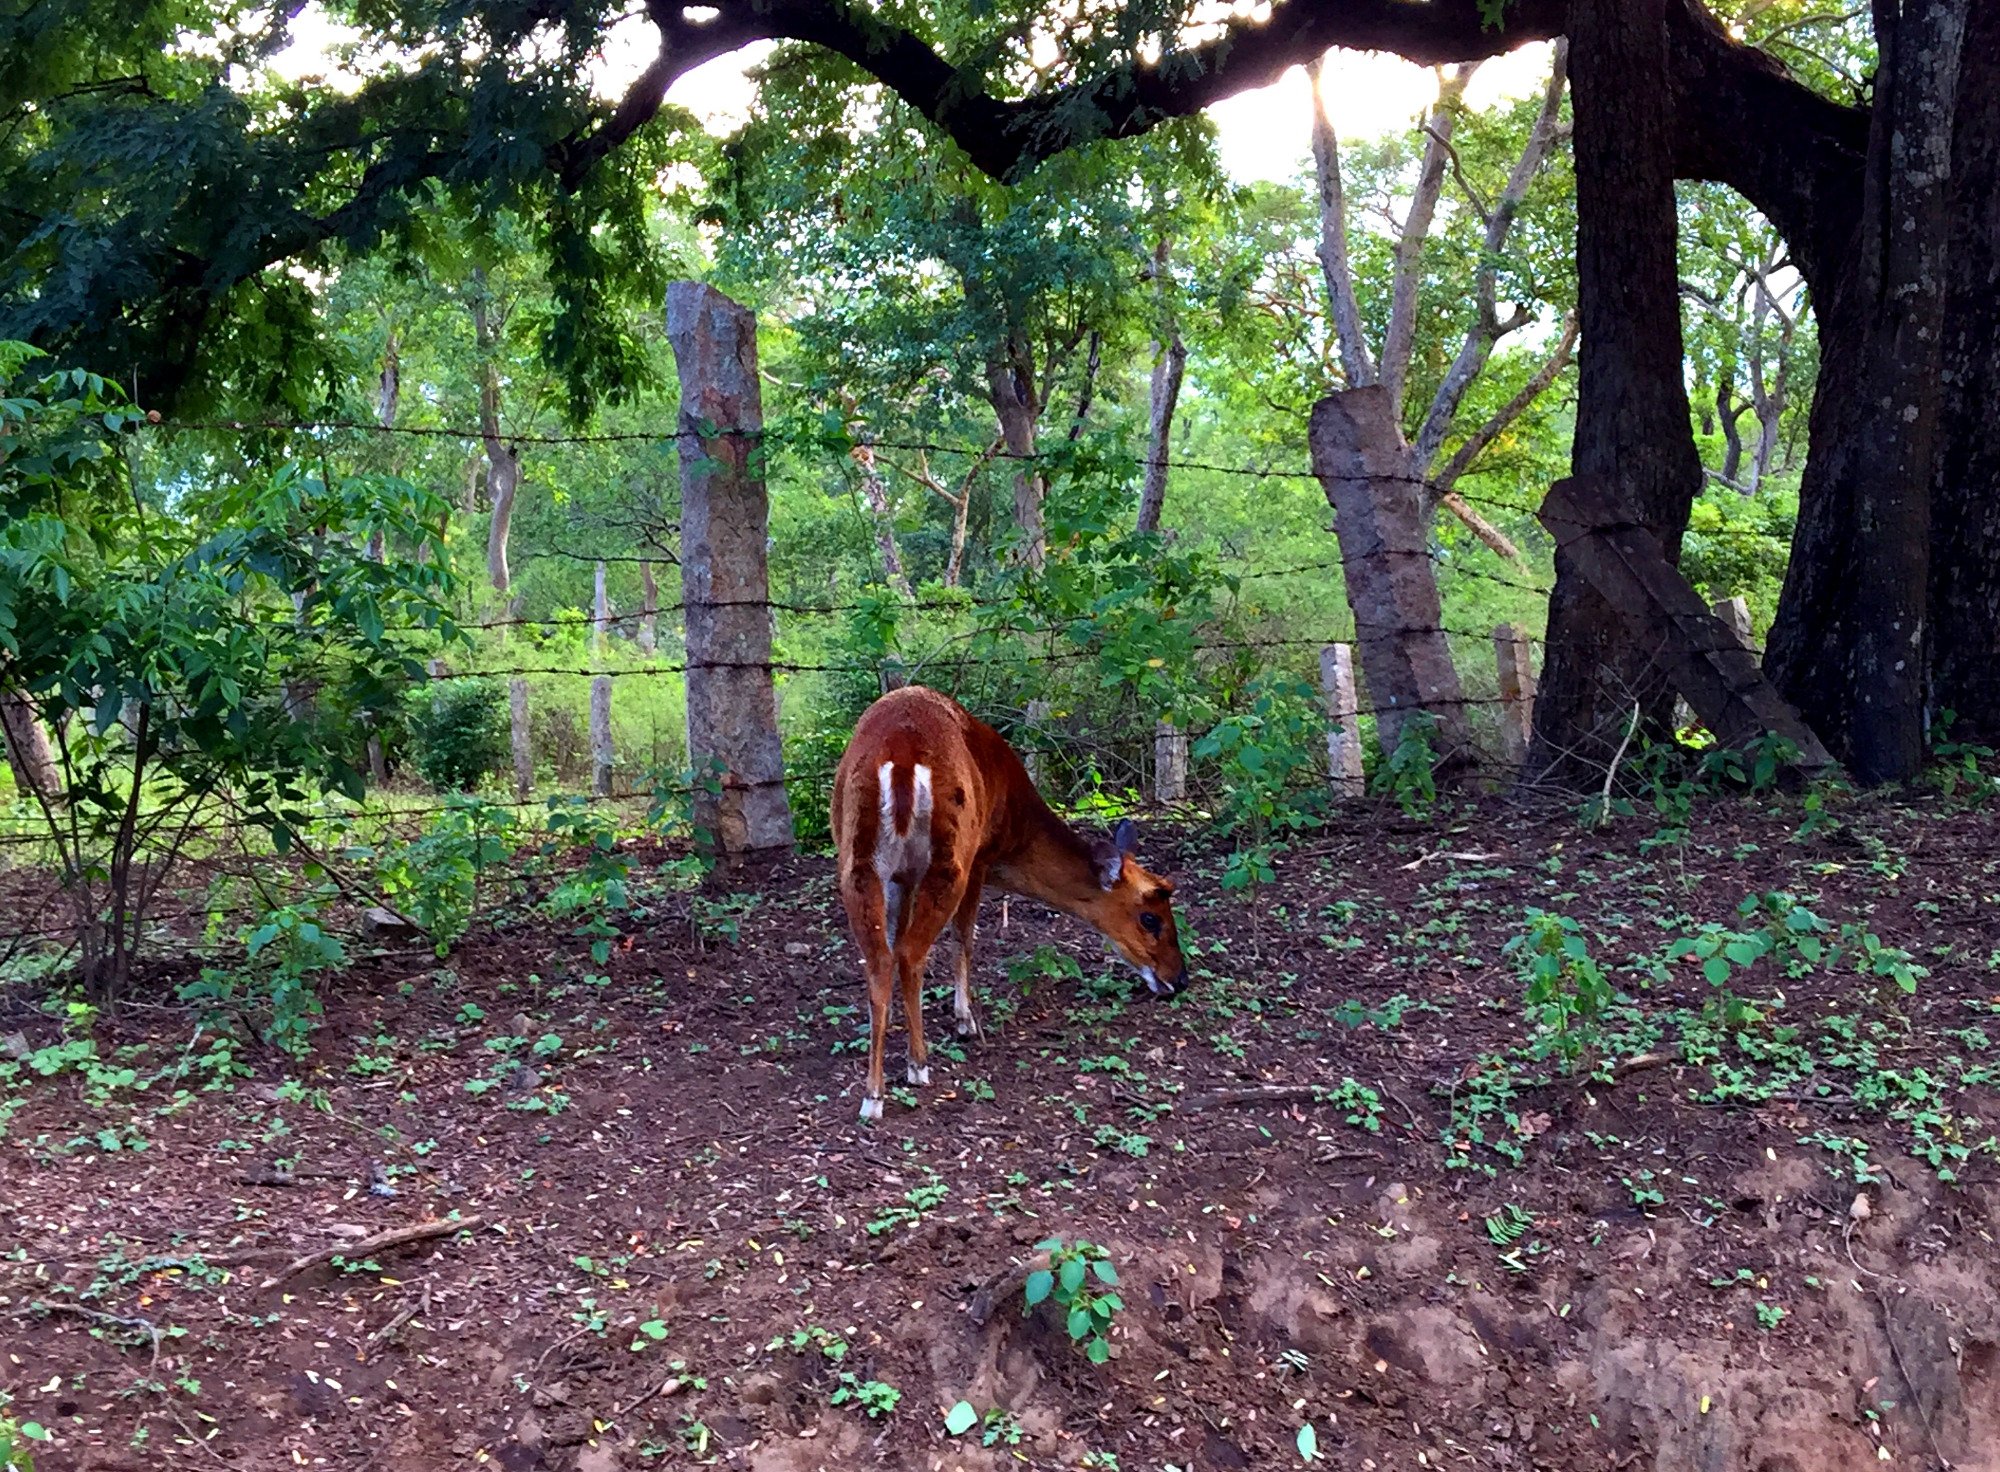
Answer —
(1262, 1094)
(669, 1386)
(1611, 776)
(1445, 853)
(381, 1242)
(134, 1322)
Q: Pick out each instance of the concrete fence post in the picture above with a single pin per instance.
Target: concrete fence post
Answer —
(520, 738)
(1513, 658)
(602, 757)
(1343, 709)
(1170, 763)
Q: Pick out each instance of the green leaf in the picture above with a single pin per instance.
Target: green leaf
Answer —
(961, 1418)
(1072, 1275)
(1098, 1351)
(34, 1431)
(1079, 1323)
(1743, 952)
(1716, 969)
(1308, 1443)
(1105, 1272)
(1040, 1285)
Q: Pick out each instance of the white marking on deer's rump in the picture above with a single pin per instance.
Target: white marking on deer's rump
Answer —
(902, 859)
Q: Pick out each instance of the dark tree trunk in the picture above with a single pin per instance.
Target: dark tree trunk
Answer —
(1965, 512)
(1849, 643)
(1633, 430)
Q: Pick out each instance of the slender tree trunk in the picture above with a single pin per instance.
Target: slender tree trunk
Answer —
(1010, 382)
(649, 611)
(1093, 361)
(1169, 367)
(503, 461)
(1849, 644)
(1168, 370)
(876, 495)
(1965, 520)
(388, 395)
(600, 613)
(1729, 413)
(1633, 430)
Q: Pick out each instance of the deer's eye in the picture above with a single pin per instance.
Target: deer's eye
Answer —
(1149, 922)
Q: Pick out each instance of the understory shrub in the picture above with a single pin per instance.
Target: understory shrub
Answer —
(458, 732)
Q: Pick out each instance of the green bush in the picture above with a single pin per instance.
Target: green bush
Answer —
(458, 732)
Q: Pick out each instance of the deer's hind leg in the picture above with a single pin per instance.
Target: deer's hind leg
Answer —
(862, 894)
(965, 1011)
(931, 908)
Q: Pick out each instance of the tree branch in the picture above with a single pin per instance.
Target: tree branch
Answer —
(1487, 328)
(1475, 445)
(1400, 340)
(1356, 364)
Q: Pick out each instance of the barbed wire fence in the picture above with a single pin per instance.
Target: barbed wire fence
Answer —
(1154, 761)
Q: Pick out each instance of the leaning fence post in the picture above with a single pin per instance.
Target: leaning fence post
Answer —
(895, 675)
(1514, 660)
(1170, 763)
(601, 754)
(520, 738)
(1343, 709)
(732, 703)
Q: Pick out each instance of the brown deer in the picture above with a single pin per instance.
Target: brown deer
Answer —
(929, 807)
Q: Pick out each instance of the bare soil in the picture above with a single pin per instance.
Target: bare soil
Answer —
(1728, 1254)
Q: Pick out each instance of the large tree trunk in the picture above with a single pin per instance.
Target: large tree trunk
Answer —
(1382, 516)
(1965, 510)
(1632, 426)
(1849, 644)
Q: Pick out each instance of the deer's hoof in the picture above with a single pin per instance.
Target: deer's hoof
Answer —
(920, 1075)
(871, 1110)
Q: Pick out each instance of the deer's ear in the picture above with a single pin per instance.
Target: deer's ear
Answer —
(1125, 837)
(1109, 861)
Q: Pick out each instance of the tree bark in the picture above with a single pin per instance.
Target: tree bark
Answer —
(732, 704)
(876, 496)
(1965, 520)
(1849, 644)
(1382, 516)
(1633, 430)
(1017, 406)
(28, 749)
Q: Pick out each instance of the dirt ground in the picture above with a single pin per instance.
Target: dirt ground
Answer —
(1334, 1189)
